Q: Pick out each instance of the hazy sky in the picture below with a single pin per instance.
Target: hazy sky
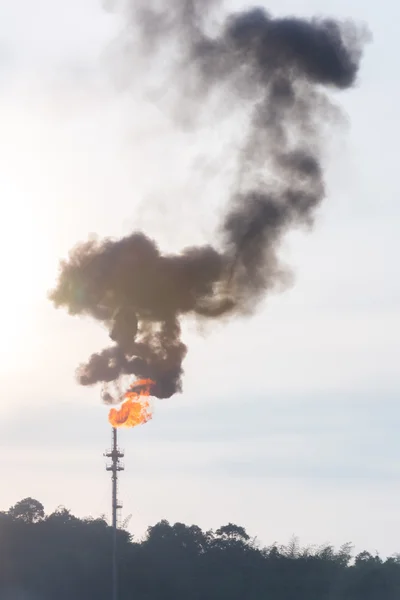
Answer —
(289, 422)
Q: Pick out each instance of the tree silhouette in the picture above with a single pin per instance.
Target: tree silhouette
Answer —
(59, 557)
(28, 510)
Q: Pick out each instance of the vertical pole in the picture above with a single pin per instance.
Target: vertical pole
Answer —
(114, 517)
(114, 454)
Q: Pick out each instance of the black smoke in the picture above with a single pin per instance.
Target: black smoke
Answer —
(276, 69)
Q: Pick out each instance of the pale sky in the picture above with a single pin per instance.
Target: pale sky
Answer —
(288, 424)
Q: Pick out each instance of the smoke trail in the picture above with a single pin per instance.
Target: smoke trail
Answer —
(274, 69)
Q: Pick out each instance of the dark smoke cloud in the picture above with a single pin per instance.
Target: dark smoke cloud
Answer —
(273, 68)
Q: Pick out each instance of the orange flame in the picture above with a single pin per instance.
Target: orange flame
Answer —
(136, 409)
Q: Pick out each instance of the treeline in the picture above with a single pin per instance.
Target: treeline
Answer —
(61, 557)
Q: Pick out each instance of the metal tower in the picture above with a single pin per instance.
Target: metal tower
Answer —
(115, 454)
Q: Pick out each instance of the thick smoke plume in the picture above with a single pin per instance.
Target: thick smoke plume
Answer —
(274, 69)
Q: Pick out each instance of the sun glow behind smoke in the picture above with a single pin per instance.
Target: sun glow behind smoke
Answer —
(24, 255)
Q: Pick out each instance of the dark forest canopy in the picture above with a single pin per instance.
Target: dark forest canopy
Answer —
(61, 557)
